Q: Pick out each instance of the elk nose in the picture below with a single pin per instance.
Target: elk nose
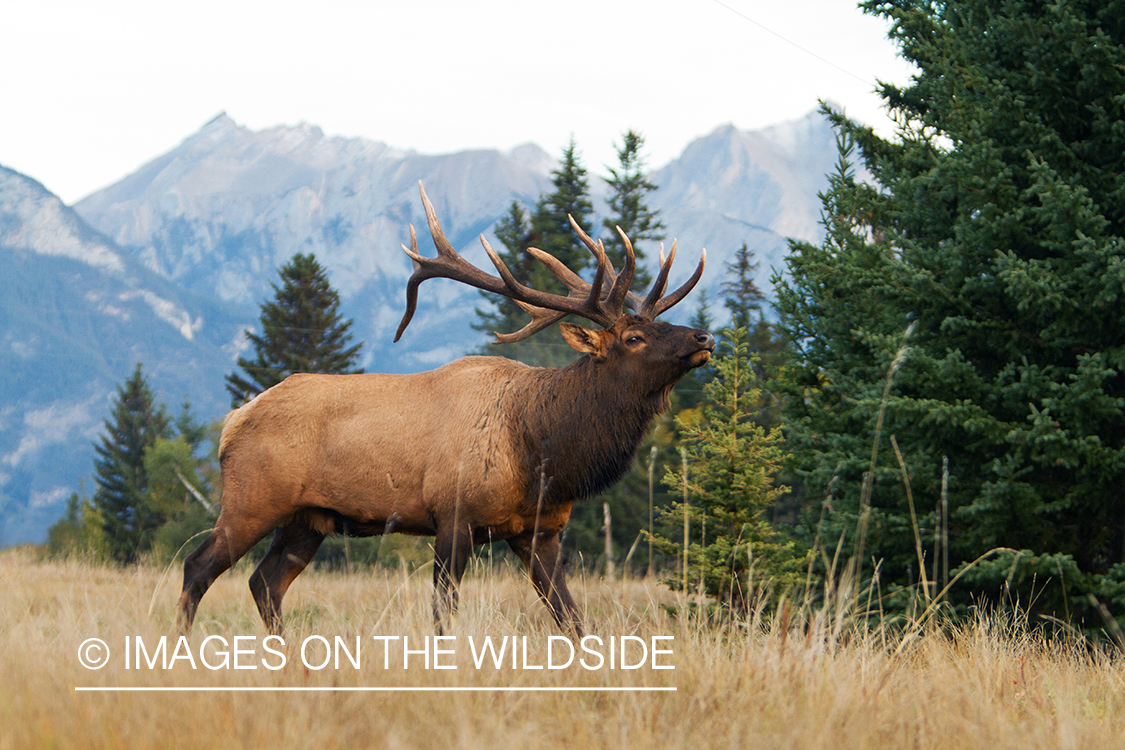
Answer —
(705, 340)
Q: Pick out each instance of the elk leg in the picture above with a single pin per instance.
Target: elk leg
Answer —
(452, 549)
(292, 548)
(220, 550)
(546, 573)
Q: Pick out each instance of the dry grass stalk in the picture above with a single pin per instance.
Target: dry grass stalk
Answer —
(806, 678)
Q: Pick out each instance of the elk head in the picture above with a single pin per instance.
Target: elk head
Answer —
(602, 301)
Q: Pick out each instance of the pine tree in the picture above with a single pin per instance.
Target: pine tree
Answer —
(302, 331)
(128, 514)
(994, 232)
(628, 190)
(731, 462)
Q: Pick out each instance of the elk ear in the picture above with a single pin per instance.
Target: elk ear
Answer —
(584, 340)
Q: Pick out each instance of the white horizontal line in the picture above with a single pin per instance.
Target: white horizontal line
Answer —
(504, 689)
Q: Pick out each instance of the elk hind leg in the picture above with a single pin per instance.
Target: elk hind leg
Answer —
(452, 548)
(292, 549)
(546, 573)
(220, 550)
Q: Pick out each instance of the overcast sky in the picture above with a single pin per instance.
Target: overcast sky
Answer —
(89, 91)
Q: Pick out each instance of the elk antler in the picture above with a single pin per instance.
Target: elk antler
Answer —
(585, 299)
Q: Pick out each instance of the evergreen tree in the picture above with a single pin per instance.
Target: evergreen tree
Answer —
(731, 462)
(183, 477)
(995, 233)
(744, 301)
(128, 514)
(741, 295)
(628, 190)
(702, 319)
(501, 314)
(302, 331)
(551, 227)
(193, 432)
(552, 233)
(688, 393)
(80, 532)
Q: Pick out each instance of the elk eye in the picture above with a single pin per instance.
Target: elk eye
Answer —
(634, 340)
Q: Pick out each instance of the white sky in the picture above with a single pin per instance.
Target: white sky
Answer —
(89, 91)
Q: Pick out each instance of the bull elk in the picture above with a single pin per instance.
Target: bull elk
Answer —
(481, 450)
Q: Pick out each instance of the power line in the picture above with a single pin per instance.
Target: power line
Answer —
(790, 42)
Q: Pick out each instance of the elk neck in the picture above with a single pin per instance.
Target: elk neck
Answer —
(583, 424)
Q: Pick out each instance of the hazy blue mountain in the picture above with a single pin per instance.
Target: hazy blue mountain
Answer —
(168, 266)
(76, 314)
(220, 212)
(757, 187)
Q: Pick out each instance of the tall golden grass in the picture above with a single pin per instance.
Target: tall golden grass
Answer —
(803, 679)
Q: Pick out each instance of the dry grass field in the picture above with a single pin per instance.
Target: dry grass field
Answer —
(817, 682)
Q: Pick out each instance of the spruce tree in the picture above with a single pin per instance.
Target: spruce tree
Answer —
(302, 331)
(993, 233)
(128, 514)
(550, 231)
(501, 314)
(79, 533)
(744, 300)
(550, 226)
(741, 295)
(733, 552)
(688, 393)
(628, 190)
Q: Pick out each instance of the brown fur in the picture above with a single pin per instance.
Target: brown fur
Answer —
(455, 453)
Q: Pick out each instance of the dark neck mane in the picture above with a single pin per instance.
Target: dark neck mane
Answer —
(584, 426)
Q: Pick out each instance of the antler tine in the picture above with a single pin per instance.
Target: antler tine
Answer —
(569, 278)
(664, 303)
(595, 247)
(411, 285)
(589, 294)
(541, 318)
(620, 290)
(449, 264)
(661, 284)
(619, 294)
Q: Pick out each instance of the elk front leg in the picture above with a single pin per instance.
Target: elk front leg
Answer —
(292, 549)
(546, 573)
(452, 547)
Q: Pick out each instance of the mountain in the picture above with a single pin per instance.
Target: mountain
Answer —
(758, 187)
(223, 210)
(76, 314)
(167, 266)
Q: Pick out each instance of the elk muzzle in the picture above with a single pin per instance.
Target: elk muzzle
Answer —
(707, 345)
